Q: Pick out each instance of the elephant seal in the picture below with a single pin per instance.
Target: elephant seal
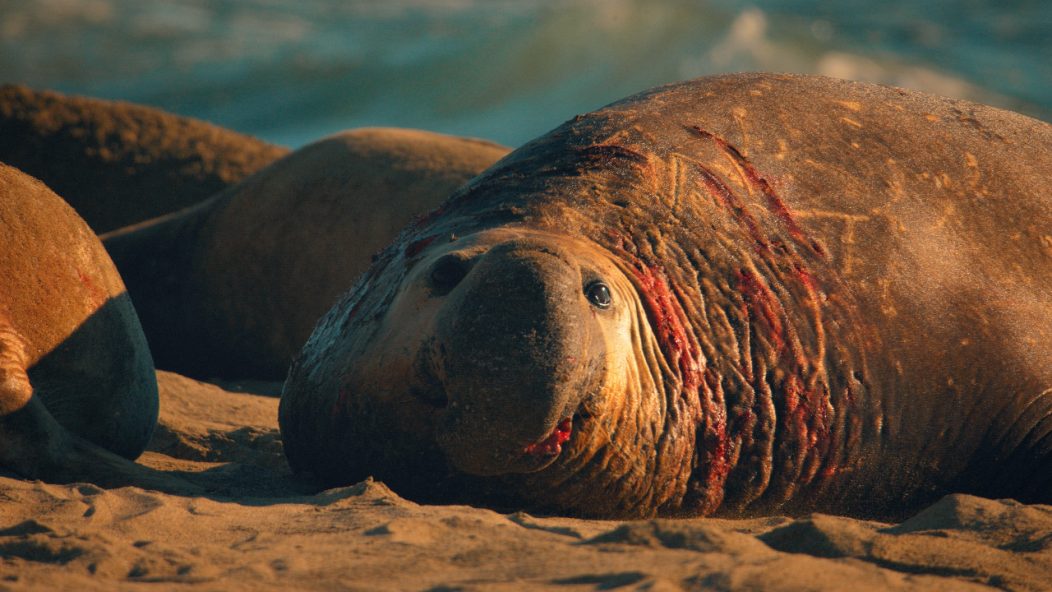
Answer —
(232, 287)
(739, 295)
(78, 393)
(122, 163)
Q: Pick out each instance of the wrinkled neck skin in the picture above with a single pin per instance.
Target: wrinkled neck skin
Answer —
(710, 387)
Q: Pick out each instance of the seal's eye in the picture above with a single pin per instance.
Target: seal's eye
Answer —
(598, 294)
(447, 273)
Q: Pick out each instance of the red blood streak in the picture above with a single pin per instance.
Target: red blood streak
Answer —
(763, 304)
(354, 309)
(733, 203)
(805, 415)
(552, 444)
(714, 455)
(806, 279)
(774, 202)
(667, 318)
(97, 294)
(429, 217)
(414, 248)
(682, 352)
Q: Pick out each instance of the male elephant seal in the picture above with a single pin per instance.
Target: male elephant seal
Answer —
(738, 295)
(78, 393)
(233, 286)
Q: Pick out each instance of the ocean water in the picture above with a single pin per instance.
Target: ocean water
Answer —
(291, 71)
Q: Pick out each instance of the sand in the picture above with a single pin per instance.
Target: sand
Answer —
(261, 528)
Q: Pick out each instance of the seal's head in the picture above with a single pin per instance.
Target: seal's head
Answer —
(503, 357)
(511, 345)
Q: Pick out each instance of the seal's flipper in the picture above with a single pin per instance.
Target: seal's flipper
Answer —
(15, 390)
(33, 444)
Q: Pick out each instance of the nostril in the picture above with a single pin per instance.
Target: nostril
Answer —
(447, 272)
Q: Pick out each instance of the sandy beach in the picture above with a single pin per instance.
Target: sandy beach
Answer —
(260, 528)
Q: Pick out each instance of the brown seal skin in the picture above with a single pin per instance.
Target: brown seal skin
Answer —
(78, 393)
(233, 287)
(739, 295)
(122, 163)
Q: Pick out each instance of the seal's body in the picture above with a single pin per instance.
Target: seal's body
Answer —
(737, 295)
(121, 163)
(78, 393)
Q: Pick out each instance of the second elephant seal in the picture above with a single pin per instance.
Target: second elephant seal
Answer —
(232, 287)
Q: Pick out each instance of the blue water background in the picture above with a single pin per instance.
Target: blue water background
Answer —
(291, 71)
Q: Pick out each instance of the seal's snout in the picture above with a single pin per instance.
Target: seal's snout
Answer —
(513, 338)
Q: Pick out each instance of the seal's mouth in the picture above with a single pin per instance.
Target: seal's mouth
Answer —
(552, 444)
(507, 456)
